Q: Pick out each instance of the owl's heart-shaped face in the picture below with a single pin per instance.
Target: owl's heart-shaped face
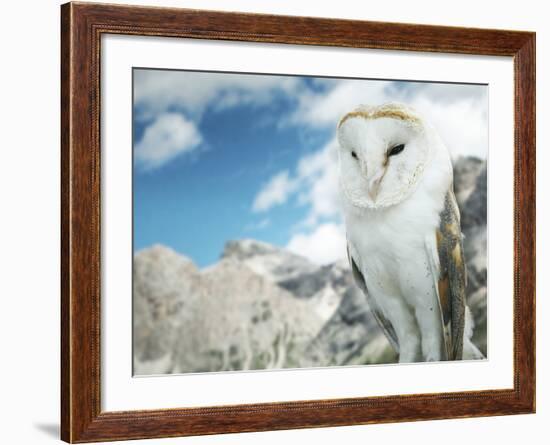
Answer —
(382, 157)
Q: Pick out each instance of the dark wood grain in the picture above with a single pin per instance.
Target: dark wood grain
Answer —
(81, 28)
(65, 227)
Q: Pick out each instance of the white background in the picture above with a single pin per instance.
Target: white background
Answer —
(29, 184)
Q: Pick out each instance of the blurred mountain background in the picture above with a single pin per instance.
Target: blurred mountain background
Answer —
(263, 307)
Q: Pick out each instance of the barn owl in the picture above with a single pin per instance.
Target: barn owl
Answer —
(403, 231)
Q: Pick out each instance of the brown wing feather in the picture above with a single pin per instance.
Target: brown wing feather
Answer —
(451, 285)
(383, 322)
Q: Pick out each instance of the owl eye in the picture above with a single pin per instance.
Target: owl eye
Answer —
(354, 155)
(396, 150)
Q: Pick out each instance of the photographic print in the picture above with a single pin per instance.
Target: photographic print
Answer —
(290, 214)
(287, 221)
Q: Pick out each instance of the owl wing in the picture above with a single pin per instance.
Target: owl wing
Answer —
(383, 322)
(446, 256)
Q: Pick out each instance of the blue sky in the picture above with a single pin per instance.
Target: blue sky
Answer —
(220, 156)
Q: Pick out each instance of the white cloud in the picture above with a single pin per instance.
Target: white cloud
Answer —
(459, 112)
(170, 135)
(315, 184)
(325, 108)
(275, 192)
(156, 91)
(461, 124)
(324, 245)
(317, 176)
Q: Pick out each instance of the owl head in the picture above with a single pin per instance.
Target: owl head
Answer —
(383, 154)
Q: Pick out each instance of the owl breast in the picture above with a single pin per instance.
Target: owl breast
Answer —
(389, 245)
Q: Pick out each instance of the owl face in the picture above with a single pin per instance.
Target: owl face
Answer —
(382, 156)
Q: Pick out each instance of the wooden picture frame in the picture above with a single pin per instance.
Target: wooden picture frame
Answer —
(82, 25)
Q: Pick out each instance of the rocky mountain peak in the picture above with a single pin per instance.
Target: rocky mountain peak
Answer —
(274, 263)
(467, 170)
(247, 248)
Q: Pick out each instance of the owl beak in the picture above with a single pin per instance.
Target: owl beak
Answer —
(374, 185)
